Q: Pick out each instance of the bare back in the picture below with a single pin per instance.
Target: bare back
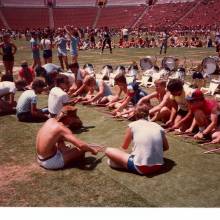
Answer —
(48, 136)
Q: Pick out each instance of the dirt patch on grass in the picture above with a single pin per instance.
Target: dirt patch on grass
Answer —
(17, 173)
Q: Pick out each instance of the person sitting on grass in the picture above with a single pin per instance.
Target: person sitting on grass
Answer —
(102, 89)
(81, 76)
(149, 143)
(52, 153)
(7, 94)
(58, 96)
(160, 94)
(179, 110)
(26, 108)
(206, 115)
(133, 94)
(26, 73)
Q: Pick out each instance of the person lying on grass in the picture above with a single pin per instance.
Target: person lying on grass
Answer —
(133, 94)
(26, 108)
(52, 153)
(206, 115)
(100, 87)
(149, 141)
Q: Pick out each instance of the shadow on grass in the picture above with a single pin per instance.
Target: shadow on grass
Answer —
(168, 165)
(89, 163)
(83, 129)
(12, 112)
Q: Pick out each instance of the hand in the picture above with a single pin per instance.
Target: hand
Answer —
(95, 149)
(169, 123)
(199, 135)
(188, 131)
(115, 112)
(85, 102)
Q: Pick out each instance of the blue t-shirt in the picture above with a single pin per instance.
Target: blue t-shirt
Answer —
(74, 45)
(135, 92)
(25, 101)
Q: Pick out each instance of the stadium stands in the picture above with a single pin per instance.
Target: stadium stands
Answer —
(126, 2)
(22, 3)
(207, 10)
(119, 16)
(21, 18)
(173, 1)
(79, 17)
(117, 13)
(162, 15)
(64, 3)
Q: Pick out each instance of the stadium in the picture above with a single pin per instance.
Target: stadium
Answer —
(145, 42)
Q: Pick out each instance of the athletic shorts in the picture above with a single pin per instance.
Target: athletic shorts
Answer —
(61, 53)
(74, 53)
(8, 58)
(142, 170)
(36, 55)
(52, 163)
(182, 113)
(47, 54)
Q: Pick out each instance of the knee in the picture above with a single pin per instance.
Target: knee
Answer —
(200, 118)
(109, 151)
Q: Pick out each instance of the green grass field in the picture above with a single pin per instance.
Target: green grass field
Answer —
(191, 179)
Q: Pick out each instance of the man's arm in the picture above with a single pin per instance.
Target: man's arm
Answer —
(127, 139)
(70, 137)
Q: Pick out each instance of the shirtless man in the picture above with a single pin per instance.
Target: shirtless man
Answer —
(52, 153)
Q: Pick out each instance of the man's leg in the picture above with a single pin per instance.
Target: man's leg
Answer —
(118, 157)
(71, 155)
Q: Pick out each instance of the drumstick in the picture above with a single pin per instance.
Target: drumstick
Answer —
(213, 150)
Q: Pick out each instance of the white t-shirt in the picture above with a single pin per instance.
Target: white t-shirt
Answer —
(7, 87)
(57, 98)
(46, 44)
(124, 32)
(148, 143)
(25, 101)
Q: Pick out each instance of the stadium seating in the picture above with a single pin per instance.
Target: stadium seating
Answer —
(22, 18)
(125, 2)
(79, 17)
(209, 12)
(162, 15)
(63, 3)
(119, 16)
(29, 3)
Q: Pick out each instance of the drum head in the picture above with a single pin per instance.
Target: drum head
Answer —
(146, 63)
(209, 65)
(169, 63)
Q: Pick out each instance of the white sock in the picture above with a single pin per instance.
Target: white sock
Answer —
(112, 164)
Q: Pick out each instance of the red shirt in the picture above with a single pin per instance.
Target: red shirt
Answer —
(207, 107)
(28, 75)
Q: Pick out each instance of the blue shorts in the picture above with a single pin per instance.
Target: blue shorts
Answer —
(47, 54)
(131, 166)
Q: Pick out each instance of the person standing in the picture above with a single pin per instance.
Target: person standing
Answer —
(35, 47)
(61, 43)
(74, 42)
(8, 51)
(106, 39)
(46, 46)
(164, 42)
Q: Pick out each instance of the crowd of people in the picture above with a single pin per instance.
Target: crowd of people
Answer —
(181, 108)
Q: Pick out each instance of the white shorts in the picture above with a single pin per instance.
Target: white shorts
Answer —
(53, 163)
